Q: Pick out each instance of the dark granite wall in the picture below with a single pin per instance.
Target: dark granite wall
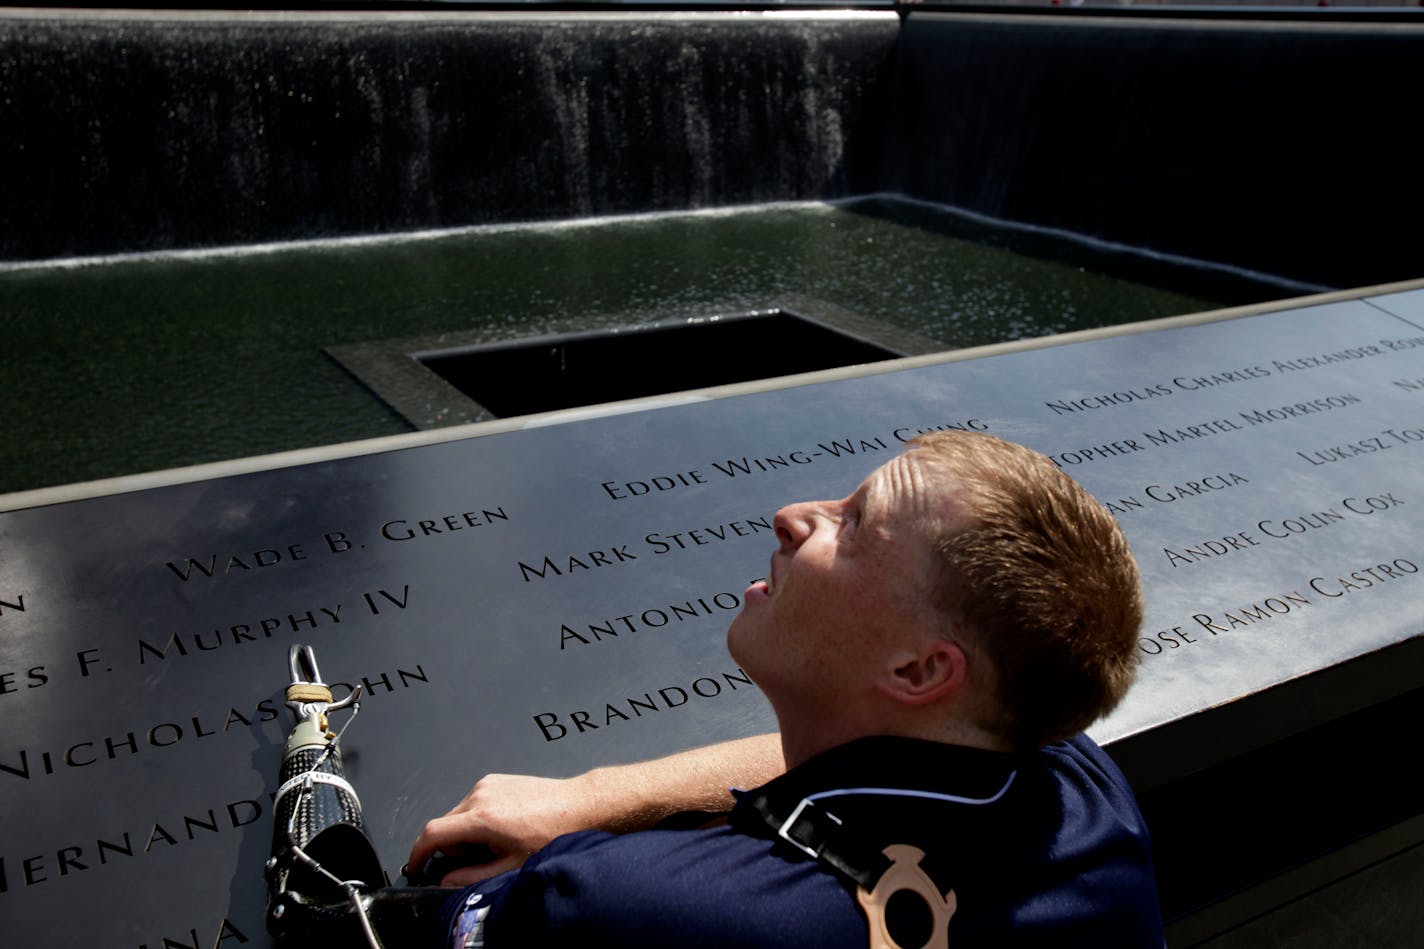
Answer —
(1277, 146)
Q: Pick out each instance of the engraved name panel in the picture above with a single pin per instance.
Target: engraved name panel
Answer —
(553, 598)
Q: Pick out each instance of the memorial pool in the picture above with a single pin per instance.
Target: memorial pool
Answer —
(1244, 135)
(115, 366)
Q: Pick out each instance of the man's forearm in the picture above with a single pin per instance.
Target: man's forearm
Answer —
(637, 796)
(505, 818)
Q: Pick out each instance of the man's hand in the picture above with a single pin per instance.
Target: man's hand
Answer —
(508, 816)
(511, 816)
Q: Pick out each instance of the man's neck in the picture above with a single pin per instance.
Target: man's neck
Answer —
(799, 745)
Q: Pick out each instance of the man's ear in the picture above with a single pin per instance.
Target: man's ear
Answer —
(936, 670)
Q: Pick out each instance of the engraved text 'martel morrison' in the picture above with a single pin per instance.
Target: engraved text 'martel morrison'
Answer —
(1210, 380)
(1201, 429)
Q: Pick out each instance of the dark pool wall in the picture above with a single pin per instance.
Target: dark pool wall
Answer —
(1274, 145)
(130, 133)
(1278, 146)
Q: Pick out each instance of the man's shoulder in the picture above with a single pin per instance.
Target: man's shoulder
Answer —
(1040, 848)
(1082, 775)
(1093, 866)
(1044, 848)
(1081, 748)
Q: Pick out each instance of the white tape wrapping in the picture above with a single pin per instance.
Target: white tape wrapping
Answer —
(318, 777)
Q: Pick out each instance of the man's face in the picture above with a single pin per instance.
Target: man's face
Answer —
(847, 580)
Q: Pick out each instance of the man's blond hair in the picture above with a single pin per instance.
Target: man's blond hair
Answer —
(1045, 582)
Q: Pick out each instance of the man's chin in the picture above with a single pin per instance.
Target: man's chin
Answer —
(737, 634)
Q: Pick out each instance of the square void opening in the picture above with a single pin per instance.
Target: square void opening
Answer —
(561, 372)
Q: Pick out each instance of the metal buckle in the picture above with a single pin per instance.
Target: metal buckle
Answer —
(301, 662)
(785, 831)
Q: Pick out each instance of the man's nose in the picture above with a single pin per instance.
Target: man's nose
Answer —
(794, 523)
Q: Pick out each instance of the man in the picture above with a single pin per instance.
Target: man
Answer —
(932, 645)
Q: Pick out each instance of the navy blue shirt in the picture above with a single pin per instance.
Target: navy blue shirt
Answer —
(1045, 849)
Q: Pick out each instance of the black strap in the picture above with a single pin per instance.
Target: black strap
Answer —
(819, 834)
(819, 807)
